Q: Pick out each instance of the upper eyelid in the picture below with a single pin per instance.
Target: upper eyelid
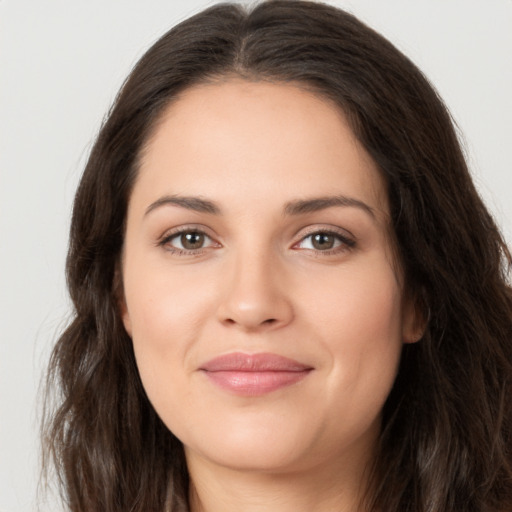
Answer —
(326, 228)
(198, 228)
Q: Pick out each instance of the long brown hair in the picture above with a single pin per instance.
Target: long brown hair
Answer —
(446, 443)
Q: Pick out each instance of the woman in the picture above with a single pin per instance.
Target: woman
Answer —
(288, 294)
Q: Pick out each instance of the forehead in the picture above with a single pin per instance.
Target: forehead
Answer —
(258, 139)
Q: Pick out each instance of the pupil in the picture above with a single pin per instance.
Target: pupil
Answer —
(323, 241)
(192, 240)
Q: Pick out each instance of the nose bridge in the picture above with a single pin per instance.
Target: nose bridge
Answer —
(255, 295)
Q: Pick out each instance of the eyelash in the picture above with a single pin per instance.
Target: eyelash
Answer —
(345, 243)
(167, 238)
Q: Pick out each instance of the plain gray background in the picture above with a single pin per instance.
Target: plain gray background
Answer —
(61, 63)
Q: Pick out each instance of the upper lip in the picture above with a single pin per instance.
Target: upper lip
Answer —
(260, 362)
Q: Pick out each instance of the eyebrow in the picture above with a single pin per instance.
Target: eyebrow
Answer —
(196, 204)
(303, 206)
(292, 208)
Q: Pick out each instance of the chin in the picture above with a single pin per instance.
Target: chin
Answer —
(257, 457)
(263, 446)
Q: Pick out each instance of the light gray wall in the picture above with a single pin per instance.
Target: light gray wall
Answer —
(61, 63)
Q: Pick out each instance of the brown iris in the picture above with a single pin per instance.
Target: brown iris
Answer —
(192, 240)
(323, 241)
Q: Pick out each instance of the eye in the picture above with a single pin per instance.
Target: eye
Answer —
(325, 241)
(187, 240)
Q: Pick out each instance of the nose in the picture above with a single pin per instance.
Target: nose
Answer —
(255, 296)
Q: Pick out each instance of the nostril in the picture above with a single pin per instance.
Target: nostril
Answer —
(268, 321)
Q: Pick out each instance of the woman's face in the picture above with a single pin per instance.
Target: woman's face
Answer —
(261, 294)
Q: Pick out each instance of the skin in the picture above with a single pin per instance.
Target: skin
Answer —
(259, 284)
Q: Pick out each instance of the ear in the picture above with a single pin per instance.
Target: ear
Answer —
(125, 316)
(414, 319)
(121, 301)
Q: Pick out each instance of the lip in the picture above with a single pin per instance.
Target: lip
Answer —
(254, 374)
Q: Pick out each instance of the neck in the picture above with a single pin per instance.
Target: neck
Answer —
(319, 489)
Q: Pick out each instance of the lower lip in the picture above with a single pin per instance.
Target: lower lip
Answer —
(255, 383)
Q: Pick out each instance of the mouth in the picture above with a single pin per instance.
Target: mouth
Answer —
(254, 374)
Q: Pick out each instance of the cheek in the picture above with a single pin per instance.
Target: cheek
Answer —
(359, 324)
(365, 302)
(161, 303)
(164, 317)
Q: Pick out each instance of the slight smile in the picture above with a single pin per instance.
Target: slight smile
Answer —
(254, 374)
